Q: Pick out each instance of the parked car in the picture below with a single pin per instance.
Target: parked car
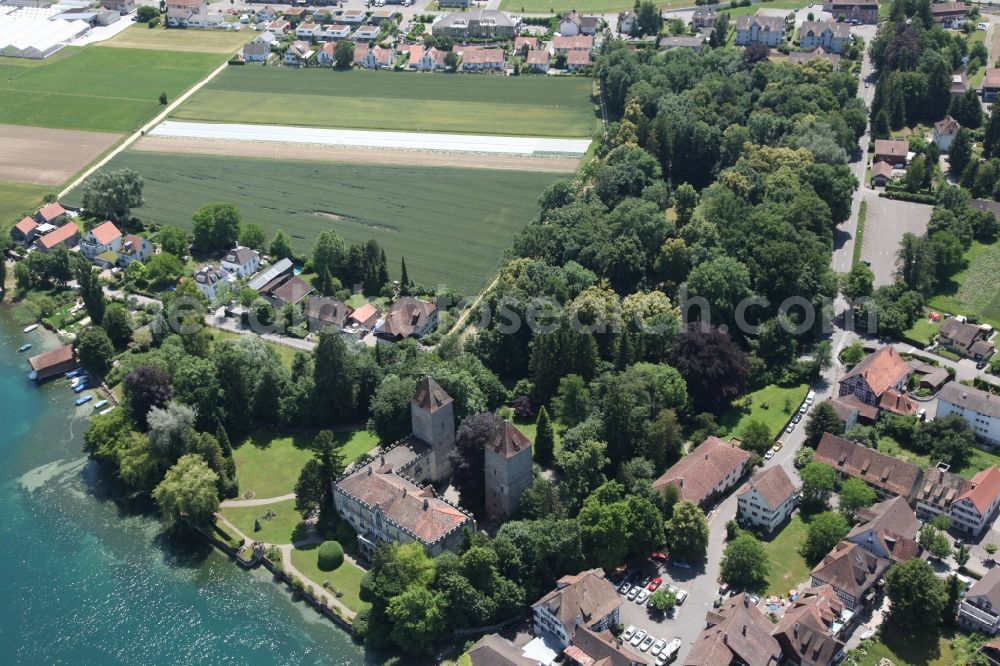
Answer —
(868, 633)
(638, 637)
(681, 596)
(790, 427)
(804, 408)
(625, 588)
(981, 364)
(628, 633)
(659, 557)
(769, 454)
(657, 647)
(981, 26)
(641, 598)
(633, 593)
(724, 589)
(655, 583)
(682, 565)
(777, 445)
(796, 418)
(646, 644)
(669, 653)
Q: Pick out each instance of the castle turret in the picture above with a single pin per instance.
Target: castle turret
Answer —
(432, 417)
(508, 470)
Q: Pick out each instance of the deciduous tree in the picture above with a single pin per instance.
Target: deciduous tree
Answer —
(687, 532)
(188, 492)
(855, 495)
(916, 596)
(825, 531)
(146, 387)
(112, 194)
(745, 563)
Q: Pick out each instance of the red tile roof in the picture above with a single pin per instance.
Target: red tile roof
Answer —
(105, 232)
(538, 57)
(992, 79)
(508, 441)
(698, 473)
(894, 147)
(51, 211)
(573, 43)
(50, 358)
(772, 484)
(578, 58)
(737, 633)
(59, 236)
(884, 472)
(364, 313)
(881, 370)
(26, 225)
(897, 403)
(587, 596)
(985, 487)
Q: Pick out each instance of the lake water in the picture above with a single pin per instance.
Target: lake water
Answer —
(87, 580)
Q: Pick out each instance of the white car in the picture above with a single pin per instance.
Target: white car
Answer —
(867, 634)
(639, 636)
(790, 427)
(769, 454)
(646, 644)
(669, 653)
(981, 26)
(628, 633)
(624, 589)
(657, 647)
(641, 599)
(681, 596)
(633, 593)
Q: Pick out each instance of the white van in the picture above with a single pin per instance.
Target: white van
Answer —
(810, 398)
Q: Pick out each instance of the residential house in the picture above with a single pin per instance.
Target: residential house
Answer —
(767, 499)
(704, 18)
(523, 44)
(408, 317)
(294, 15)
(278, 268)
(991, 84)
(893, 151)
(134, 248)
(852, 572)
(563, 45)
(308, 31)
(24, 232)
(265, 14)
(685, 42)
(211, 281)
(965, 339)
(379, 16)
(949, 14)
(123, 7)
(241, 262)
(286, 290)
(626, 23)
(881, 174)
(938, 491)
(205, 20)
(508, 470)
(354, 16)
(887, 475)
(299, 54)
(426, 60)
(376, 57)
(980, 409)
(335, 32)
(68, 235)
(366, 33)
(279, 28)
(848, 412)
(880, 372)
(888, 529)
(975, 509)
(537, 60)
(829, 35)
(736, 633)
(193, 5)
(757, 29)
(51, 213)
(991, 651)
(853, 11)
(944, 133)
(495, 650)
(52, 363)
(602, 647)
(104, 237)
(811, 630)
(258, 48)
(577, 60)
(363, 317)
(585, 599)
(326, 56)
(476, 23)
(321, 312)
(574, 23)
(708, 471)
(980, 609)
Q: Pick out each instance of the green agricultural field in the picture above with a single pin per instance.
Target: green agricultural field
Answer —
(452, 225)
(404, 101)
(97, 88)
(974, 290)
(17, 199)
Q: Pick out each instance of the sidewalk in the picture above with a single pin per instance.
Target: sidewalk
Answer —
(262, 501)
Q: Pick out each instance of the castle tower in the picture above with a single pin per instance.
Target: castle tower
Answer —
(508, 470)
(432, 418)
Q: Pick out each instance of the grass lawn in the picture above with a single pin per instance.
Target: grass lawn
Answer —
(285, 354)
(346, 578)
(973, 291)
(403, 101)
(269, 464)
(923, 330)
(284, 526)
(530, 430)
(160, 39)
(924, 649)
(774, 415)
(788, 567)
(790, 5)
(452, 225)
(96, 87)
(890, 446)
(16, 199)
(978, 461)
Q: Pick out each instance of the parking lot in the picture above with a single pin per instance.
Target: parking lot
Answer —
(645, 619)
(885, 225)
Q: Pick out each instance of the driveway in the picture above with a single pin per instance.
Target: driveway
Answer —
(886, 223)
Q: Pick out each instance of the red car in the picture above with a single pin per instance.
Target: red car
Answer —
(656, 582)
(659, 557)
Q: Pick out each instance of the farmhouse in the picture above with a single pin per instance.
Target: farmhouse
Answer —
(949, 14)
(477, 23)
(24, 232)
(586, 599)
(853, 11)
(105, 237)
(737, 633)
(888, 476)
(574, 23)
(52, 363)
(68, 235)
(757, 29)
(944, 133)
(980, 409)
(711, 469)
(241, 262)
(829, 35)
(965, 339)
(408, 317)
(767, 499)
(852, 572)
(134, 248)
(879, 373)
(51, 213)
(211, 281)
(382, 500)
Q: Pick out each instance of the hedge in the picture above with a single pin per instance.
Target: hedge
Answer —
(331, 556)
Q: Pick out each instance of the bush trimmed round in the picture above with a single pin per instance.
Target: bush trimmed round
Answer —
(331, 556)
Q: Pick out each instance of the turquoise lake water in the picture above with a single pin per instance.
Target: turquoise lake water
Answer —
(90, 581)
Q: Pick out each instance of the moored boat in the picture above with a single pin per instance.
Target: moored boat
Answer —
(82, 400)
(29, 329)
(25, 347)
(100, 404)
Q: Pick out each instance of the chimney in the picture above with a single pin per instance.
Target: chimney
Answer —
(744, 630)
(795, 630)
(404, 491)
(680, 482)
(725, 639)
(381, 460)
(427, 504)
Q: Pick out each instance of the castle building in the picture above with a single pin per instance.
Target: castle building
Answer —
(508, 470)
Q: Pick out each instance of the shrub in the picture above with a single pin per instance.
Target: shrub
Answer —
(153, 22)
(331, 556)
(365, 587)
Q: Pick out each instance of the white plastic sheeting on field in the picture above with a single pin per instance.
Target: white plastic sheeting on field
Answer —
(29, 33)
(464, 143)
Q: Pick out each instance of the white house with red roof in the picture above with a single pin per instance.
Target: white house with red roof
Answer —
(975, 509)
(50, 213)
(426, 60)
(711, 469)
(105, 237)
(25, 231)
(134, 248)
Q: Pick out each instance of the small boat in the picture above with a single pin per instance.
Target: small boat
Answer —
(105, 411)
(25, 347)
(76, 381)
(73, 373)
(29, 329)
(100, 404)
(80, 388)
(82, 400)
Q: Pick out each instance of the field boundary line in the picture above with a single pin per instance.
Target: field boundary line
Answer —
(135, 136)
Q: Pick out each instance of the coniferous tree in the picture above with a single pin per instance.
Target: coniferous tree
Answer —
(544, 439)
(333, 379)
(991, 141)
(404, 278)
